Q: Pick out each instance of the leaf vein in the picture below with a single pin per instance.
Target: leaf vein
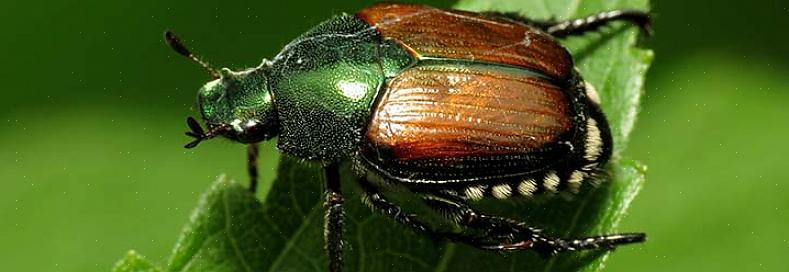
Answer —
(228, 226)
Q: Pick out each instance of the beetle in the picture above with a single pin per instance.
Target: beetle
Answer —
(451, 105)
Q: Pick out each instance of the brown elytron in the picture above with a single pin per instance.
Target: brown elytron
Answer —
(450, 111)
(437, 33)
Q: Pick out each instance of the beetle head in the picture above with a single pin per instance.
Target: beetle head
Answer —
(236, 105)
(239, 106)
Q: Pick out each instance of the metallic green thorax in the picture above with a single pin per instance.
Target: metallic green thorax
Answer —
(324, 85)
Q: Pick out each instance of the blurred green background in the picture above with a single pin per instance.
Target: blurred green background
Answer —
(93, 108)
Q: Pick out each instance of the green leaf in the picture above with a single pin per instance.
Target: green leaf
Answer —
(230, 230)
(134, 262)
(224, 233)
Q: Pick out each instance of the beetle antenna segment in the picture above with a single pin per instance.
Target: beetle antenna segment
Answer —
(175, 43)
(199, 134)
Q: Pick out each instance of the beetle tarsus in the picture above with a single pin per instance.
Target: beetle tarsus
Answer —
(606, 241)
(583, 25)
(547, 247)
(594, 22)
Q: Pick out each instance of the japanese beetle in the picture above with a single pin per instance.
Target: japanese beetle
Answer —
(453, 106)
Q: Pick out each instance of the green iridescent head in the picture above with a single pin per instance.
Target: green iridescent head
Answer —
(239, 106)
(236, 105)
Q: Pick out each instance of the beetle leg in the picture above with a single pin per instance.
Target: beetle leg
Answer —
(594, 22)
(495, 229)
(498, 233)
(507, 234)
(252, 166)
(517, 17)
(333, 227)
(579, 26)
(378, 202)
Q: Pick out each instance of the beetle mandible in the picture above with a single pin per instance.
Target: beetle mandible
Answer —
(452, 105)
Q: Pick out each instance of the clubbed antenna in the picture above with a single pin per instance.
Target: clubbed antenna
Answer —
(199, 134)
(181, 49)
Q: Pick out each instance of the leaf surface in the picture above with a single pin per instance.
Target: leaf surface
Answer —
(224, 232)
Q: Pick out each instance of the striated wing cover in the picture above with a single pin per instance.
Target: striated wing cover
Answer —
(435, 33)
(490, 119)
